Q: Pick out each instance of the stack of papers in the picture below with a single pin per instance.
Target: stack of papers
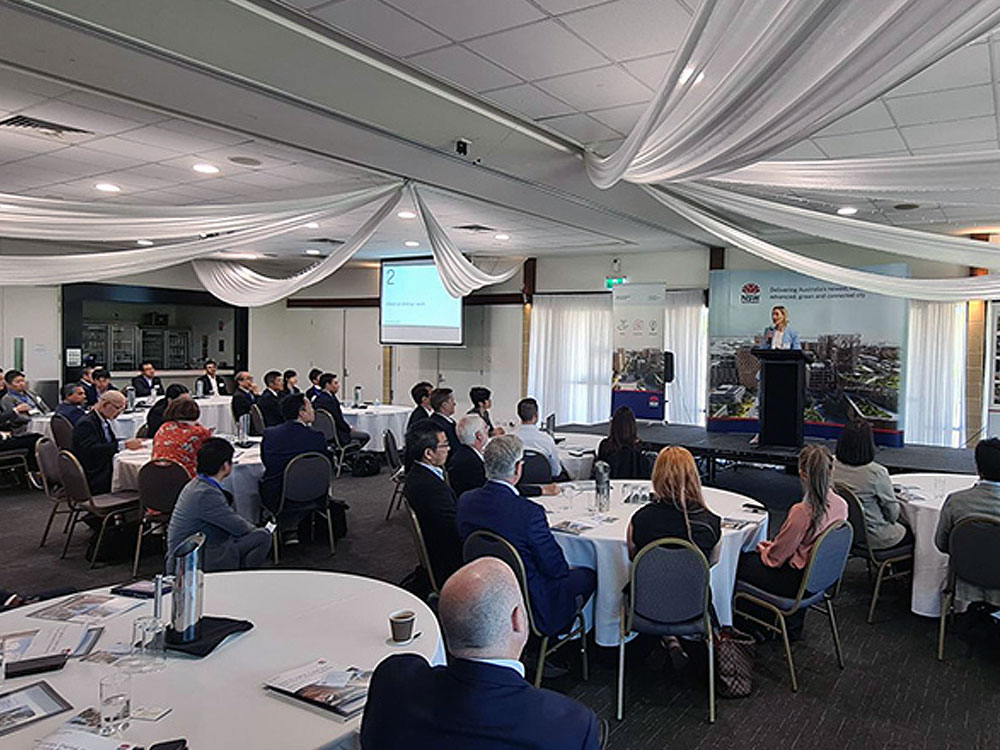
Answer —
(573, 527)
(88, 609)
(319, 683)
(71, 639)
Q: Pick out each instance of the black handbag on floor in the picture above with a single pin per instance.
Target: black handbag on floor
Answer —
(366, 464)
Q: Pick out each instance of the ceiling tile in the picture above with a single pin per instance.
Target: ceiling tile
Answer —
(600, 88)
(650, 70)
(458, 65)
(64, 113)
(529, 100)
(961, 131)
(957, 148)
(114, 107)
(940, 106)
(141, 152)
(36, 144)
(83, 162)
(872, 116)
(564, 6)
(14, 100)
(166, 138)
(218, 136)
(963, 67)
(462, 19)
(622, 119)
(539, 50)
(873, 142)
(582, 127)
(382, 26)
(631, 28)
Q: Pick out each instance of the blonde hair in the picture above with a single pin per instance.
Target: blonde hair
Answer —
(784, 313)
(675, 479)
(815, 470)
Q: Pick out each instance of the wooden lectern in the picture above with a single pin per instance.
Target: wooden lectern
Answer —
(782, 396)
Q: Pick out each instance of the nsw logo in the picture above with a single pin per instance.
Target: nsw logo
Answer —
(750, 294)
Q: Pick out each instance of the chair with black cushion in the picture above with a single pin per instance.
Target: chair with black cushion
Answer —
(395, 462)
(47, 457)
(106, 507)
(422, 554)
(342, 453)
(160, 483)
(62, 432)
(143, 432)
(822, 573)
(483, 543)
(256, 420)
(324, 423)
(535, 469)
(974, 559)
(669, 593)
(16, 461)
(306, 478)
(883, 561)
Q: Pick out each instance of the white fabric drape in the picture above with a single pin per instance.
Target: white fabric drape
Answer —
(913, 243)
(939, 290)
(685, 333)
(569, 367)
(935, 374)
(753, 77)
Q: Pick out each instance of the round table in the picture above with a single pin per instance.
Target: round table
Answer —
(605, 549)
(577, 453)
(219, 701)
(375, 420)
(923, 496)
(217, 413)
(125, 426)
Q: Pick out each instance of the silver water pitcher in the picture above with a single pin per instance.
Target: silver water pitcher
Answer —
(602, 477)
(185, 620)
(129, 398)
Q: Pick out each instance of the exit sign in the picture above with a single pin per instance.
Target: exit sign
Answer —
(612, 281)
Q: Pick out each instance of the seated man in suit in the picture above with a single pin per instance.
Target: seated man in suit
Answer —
(87, 383)
(480, 700)
(102, 383)
(533, 438)
(14, 435)
(432, 500)
(269, 402)
(421, 395)
(327, 401)
(245, 395)
(154, 418)
(147, 382)
(280, 445)
(18, 396)
(498, 507)
(211, 383)
(313, 390)
(231, 542)
(467, 471)
(95, 442)
(443, 404)
(71, 407)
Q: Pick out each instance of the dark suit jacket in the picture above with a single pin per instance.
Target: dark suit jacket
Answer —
(94, 452)
(270, 408)
(434, 503)
(72, 412)
(416, 415)
(313, 391)
(448, 428)
(142, 388)
(522, 523)
(328, 402)
(469, 705)
(154, 417)
(220, 385)
(91, 390)
(625, 463)
(466, 471)
(280, 445)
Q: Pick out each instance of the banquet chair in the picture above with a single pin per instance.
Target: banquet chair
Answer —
(256, 420)
(422, 554)
(143, 432)
(669, 593)
(535, 469)
(47, 457)
(160, 483)
(106, 507)
(822, 573)
(879, 560)
(341, 452)
(306, 478)
(974, 559)
(16, 461)
(484, 543)
(62, 432)
(395, 462)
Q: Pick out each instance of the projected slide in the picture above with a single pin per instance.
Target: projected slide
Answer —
(415, 307)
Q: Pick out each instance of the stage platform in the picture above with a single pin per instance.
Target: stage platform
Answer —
(730, 446)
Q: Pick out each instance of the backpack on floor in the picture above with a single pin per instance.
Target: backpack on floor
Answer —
(366, 464)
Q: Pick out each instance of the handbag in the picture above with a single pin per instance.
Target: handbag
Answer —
(734, 651)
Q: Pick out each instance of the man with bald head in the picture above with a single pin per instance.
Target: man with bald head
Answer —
(95, 442)
(480, 701)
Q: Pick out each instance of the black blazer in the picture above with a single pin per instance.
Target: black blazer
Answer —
(625, 463)
(206, 384)
(417, 415)
(91, 390)
(434, 503)
(270, 408)
(142, 388)
(469, 705)
(94, 452)
(240, 405)
(466, 471)
(154, 417)
(448, 428)
(330, 403)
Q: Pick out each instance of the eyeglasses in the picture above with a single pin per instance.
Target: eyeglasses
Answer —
(443, 445)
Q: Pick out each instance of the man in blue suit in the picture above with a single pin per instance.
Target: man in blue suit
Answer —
(280, 445)
(480, 701)
(327, 400)
(498, 507)
(71, 407)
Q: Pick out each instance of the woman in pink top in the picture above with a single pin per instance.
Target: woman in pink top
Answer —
(180, 436)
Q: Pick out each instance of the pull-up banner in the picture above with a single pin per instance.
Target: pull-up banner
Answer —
(637, 378)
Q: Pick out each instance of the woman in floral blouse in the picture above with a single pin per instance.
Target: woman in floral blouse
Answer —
(180, 436)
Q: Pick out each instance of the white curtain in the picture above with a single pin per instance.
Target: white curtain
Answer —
(753, 77)
(686, 335)
(935, 290)
(935, 374)
(569, 366)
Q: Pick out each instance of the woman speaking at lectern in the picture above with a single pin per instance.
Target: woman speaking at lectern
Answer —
(779, 335)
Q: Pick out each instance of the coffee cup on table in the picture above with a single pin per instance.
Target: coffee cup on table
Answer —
(401, 625)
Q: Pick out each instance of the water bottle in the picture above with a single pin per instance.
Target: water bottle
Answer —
(199, 388)
(129, 398)
(602, 476)
(357, 396)
(185, 619)
(242, 430)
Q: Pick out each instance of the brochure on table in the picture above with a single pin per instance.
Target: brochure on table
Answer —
(89, 609)
(319, 683)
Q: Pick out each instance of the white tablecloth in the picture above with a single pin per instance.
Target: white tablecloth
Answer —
(243, 482)
(605, 549)
(125, 426)
(577, 452)
(375, 420)
(219, 701)
(930, 566)
(216, 412)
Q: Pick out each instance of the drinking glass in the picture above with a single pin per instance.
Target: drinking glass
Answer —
(939, 487)
(116, 702)
(149, 640)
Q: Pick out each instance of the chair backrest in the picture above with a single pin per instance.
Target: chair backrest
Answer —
(307, 477)
(485, 543)
(62, 432)
(324, 423)
(856, 517)
(392, 456)
(74, 479)
(974, 548)
(425, 558)
(828, 558)
(670, 582)
(256, 420)
(143, 432)
(47, 456)
(535, 469)
(160, 482)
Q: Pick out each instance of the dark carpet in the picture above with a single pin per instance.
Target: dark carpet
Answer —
(893, 693)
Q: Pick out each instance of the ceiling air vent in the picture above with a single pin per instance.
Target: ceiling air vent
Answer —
(42, 127)
(474, 228)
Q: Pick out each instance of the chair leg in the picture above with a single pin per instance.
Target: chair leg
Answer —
(541, 661)
(711, 677)
(393, 501)
(329, 528)
(836, 633)
(945, 608)
(100, 538)
(69, 516)
(788, 653)
(621, 673)
(878, 587)
(74, 517)
(52, 516)
(276, 540)
(583, 648)
(138, 548)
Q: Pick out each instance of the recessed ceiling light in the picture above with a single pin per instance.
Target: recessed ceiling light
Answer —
(406, 215)
(312, 251)
(144, 243)
(245, 161)
(205, 169)
(412, 243)
(241, 256)
(502, 237)
(311, 225)
(847, 210)
(107, 187)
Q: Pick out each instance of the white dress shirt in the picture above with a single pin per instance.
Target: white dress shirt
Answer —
(540, 442)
